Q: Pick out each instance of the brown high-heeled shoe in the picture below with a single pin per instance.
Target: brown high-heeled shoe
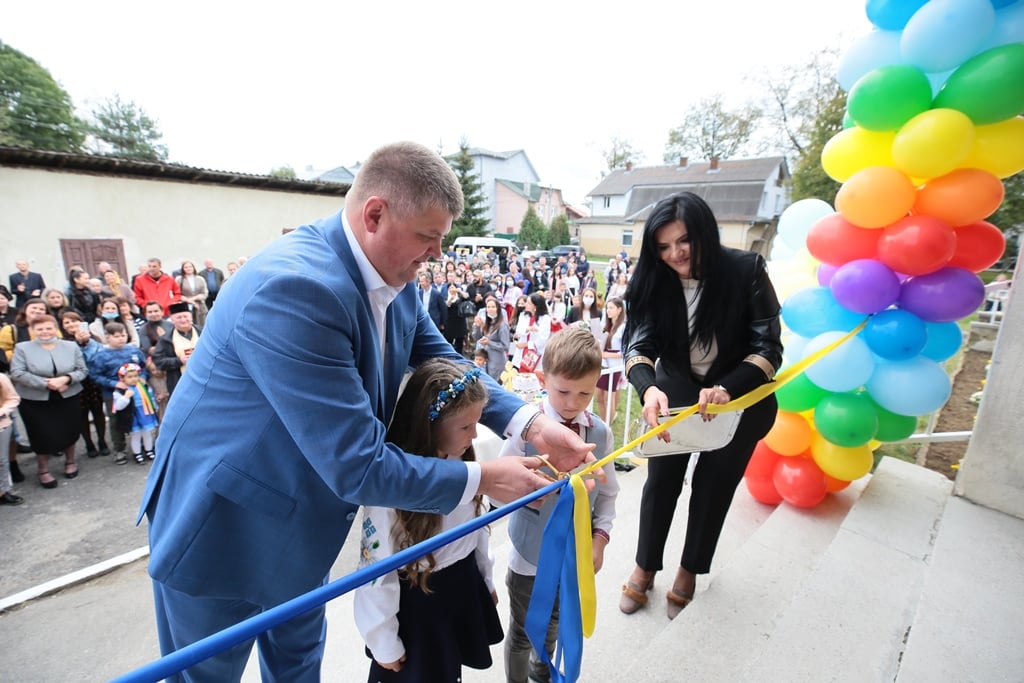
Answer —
(634, 595)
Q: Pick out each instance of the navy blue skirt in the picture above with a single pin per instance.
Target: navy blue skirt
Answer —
(452, 627)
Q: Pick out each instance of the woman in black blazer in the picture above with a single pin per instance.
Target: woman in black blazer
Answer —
(703, 327)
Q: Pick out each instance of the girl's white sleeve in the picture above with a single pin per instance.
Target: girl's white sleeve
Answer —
(540, 339)
(484, 557)
(376, 603)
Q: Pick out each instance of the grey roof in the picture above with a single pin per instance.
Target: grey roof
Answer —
(732, 202)
(337, 175)
(620, 181)
(520, 188)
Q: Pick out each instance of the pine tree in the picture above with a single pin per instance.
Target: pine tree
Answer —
(473, 221)
(123, 129)
(37, 112)
(559, 231)
(532, 231)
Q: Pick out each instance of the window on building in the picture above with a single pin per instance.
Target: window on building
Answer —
(607, 201)
(627, 238)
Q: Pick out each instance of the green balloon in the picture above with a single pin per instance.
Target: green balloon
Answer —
(893, 427)
(886, 98)
(846, 420)
(988, 87)
(799, 394)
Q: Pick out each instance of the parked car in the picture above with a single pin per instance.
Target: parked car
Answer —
(565, 250)
(536, 254)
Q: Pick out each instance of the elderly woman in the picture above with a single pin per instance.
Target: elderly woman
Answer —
(703, 328)
(115, 288)
(47, 373)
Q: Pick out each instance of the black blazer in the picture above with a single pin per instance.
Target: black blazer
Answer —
(32, 282)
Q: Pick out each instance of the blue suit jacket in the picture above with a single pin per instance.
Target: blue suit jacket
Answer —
(437, 309)
(275, 434)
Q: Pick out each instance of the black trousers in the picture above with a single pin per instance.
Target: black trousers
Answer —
(715, 479)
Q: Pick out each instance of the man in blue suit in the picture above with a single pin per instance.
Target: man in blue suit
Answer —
(275, 434)
(433, 302)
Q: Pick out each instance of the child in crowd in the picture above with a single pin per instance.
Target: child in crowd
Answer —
(437, 614)
(572, 365)
(135, 411)
(103, 368)
(480, 358)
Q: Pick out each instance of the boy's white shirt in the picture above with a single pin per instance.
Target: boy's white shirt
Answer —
(603, 512)
(376, 603)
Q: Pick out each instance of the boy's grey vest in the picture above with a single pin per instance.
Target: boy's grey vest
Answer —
(526, 525)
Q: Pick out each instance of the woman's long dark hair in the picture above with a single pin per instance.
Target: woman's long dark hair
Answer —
(655, 294)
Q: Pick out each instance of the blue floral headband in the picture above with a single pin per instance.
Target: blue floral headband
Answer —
(454, 389)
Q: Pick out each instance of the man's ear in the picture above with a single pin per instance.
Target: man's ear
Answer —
(373, 212)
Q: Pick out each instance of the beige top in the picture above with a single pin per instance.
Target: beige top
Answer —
(9, 400)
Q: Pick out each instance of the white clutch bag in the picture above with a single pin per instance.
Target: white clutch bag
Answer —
(691, 435)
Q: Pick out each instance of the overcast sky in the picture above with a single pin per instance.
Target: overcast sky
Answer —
(322, 84)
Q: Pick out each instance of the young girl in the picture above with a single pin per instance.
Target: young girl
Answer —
(135, 411)
(437, 614)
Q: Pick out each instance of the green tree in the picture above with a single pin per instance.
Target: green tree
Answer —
(532, 231)
(803, 110)
(286, 172)
(37, 112)
(559, 230)
(1010, 217)
(710, 130)
(621, 153)
(473, 221)
(123, 129)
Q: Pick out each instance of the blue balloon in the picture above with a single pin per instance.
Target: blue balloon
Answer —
(1009, 26)
(946, 33)
(869, 52)
(944, 340)
(892, 15)
(917, 386)
(895, 334)
(814, 310)
(845, 368)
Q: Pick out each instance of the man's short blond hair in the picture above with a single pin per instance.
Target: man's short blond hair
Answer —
(572, 353)
(410, 178)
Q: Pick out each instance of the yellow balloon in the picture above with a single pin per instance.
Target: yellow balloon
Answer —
(933, 143)
(841, 462)
(999, 148)
(854, 149)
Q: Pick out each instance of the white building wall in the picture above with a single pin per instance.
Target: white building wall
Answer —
(166, 219)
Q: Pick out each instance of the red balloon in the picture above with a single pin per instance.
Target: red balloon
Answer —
(835, 240)
(978, 246)
(800, 482)
(917, 245)
(762, 462)
(763, 490)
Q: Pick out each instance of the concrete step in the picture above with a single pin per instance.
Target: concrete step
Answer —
(718, 635)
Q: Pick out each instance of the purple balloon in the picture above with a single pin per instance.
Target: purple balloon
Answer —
(825, 273)
(865, 286)
(948, 294)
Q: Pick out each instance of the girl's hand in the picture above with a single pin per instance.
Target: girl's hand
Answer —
(393, 666)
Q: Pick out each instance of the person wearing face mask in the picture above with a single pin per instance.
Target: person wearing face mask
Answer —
(511, 294)
(493, 336)
(588, 310)
(110, 311)
(47, 373)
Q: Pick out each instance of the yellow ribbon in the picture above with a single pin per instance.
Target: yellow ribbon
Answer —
(581, 509)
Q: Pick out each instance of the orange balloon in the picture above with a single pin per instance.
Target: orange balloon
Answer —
(833, 485)
(967, 195)
(875, 197)
(790, 435)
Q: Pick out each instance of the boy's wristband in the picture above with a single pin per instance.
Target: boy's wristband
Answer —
(603, 534)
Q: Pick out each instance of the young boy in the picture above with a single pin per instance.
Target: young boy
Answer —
(572, 365)
(480, 359)
(135, 408)
(103, 367)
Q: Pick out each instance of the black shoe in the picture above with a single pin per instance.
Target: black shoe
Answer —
(140, 458)
(16, 476)
(11, 499)
(52, 484)
(104, 450)
(150, 455)
(24, 449)
(91, 452)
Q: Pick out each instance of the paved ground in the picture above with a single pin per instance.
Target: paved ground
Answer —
(103, 627)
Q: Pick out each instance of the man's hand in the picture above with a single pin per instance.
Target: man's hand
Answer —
(393, 666)
(508, 479)
(563, 447)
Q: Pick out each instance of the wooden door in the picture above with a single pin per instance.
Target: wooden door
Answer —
(89, 253)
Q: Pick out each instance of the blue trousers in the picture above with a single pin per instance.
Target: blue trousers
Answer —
(291, 652)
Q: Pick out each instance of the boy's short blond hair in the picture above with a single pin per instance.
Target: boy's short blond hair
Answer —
(572, 353)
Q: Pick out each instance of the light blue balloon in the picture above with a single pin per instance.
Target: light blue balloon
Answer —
(916, 386)
(796, 221)
(869, 52)
(814, 310)
(895, 334)
(845, 368)
(944, 34)
(1009, 26)
(892, 15)
(944, 340)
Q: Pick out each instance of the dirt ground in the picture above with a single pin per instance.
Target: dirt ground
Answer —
(958, 414)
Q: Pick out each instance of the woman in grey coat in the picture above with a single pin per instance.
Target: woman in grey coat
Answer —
(48, 374)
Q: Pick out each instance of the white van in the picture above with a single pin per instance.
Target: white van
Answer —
(466, 247)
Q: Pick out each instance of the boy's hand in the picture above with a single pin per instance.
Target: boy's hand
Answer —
(599, 544)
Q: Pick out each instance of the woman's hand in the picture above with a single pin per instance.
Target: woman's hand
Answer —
(484, 340)
(716, 395)
(655, 406)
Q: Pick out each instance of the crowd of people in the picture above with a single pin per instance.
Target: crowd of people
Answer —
(694, 323)
(90, 362)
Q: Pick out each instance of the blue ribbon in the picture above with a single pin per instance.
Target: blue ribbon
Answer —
(558, 561)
